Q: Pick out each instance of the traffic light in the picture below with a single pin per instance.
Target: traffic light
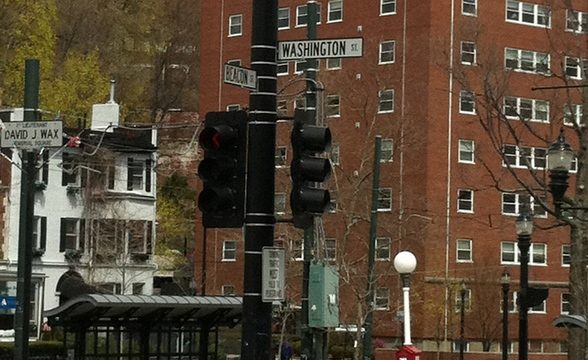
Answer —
(224, 140)
(307, 168)
(533, 296)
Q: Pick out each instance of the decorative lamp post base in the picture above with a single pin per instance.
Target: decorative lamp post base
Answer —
(408, 352)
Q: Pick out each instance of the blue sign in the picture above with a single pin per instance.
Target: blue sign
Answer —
(7, 302)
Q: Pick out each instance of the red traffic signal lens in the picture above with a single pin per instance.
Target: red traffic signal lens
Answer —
(217, 137)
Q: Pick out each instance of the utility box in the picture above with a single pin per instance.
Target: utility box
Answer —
(323, 296)
(408, 352)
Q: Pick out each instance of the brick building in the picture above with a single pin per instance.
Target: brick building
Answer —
(438, 80)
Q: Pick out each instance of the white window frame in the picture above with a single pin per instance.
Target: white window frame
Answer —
(517, 202)
(464, 201)
(539, 309)
(335, 155)
(284, 14)
(576, 21)
(229, 253)
(335, 11)
(387, 52)
(386, 150)
(574, 115)
(280, 199)
(524, 157)
(468, 50)
(519, 11)
(383, 245)
(566, 255)
(300, 15)
(381, 295)
(467, 300)
(280, 71)
(228, 290)
(467, 6)
(466, 147)
(297, 247)
(235, 25)
(467, 102)
(281, 160)
(330, 249)
(565, 303)
(386, 101)
(387, 3)
(234, 62)
(384, 195)
(233, 107)
(76, 233)
(535, 248)
(334, 63)
(527, 56)
(464, 247)
(333, 105)
(516, 108)
(457, 343)
(574, 67)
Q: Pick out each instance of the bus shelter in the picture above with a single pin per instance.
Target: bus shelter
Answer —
(105, 326)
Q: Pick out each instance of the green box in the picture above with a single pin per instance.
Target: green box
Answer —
(323, 296)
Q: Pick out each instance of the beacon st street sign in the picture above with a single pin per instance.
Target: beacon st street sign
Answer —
(30, 135)
(320, 49)
(240, 76)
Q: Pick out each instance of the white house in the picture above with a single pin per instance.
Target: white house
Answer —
(95, 211)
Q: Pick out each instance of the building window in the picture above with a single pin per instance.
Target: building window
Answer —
(234, 62)
(468, 53)
(283, 68)
(527, 61)
(333, 106)
(39, 232)
(573, 114)
(282, 107)
(381, 299)
(466, 151)
(566, 257)
(526, 109)
(140, 236)
(465, 201)
(300, 103)
(566, 307)
(387, 150)
(330, 249)
(383, 249)
(576, 67)
(236, 25)
(457, 345)
(137, 288)
(70, 171)
(233, 107)
(300, 66)
(467, 300)
(467, 102)
(332, 206)
(513, 202)
(468, 7)
(334, 154)
(385, 199)
(510, 253)
(387, 52)
(110, 288)
(538, 309)
(386, 101)
(283, 18)
(387, 7)
(138, 174)
(229, 250)
(576, 21)
(280, 203)
(335, 11)
(334, 63)
(71, 234)
(281, 153)
(528, 13)
(302, 15)
(228, 290)
(464, 250)
(524, 157)
(297, 249)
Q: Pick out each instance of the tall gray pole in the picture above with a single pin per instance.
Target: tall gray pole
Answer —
(259, 208)
(367, 337)
(25, 232)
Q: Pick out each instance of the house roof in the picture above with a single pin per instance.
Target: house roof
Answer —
(96, 309)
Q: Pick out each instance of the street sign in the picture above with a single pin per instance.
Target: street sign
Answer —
(7, 302)
(29, 135)
(320, 49)
(273, 274)
(240, 76)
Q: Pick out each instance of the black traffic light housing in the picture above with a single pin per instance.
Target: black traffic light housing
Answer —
(307, 168)
(224, 141)
(532, 297)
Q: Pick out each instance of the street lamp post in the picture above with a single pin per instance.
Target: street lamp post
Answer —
(505, 282)
(462, 296)
(559, 162)
(405, 263)
(524, 227)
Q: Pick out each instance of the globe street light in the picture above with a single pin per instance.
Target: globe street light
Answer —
(559, 164)
(505, 282)
(524, 227)
(405, 263)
